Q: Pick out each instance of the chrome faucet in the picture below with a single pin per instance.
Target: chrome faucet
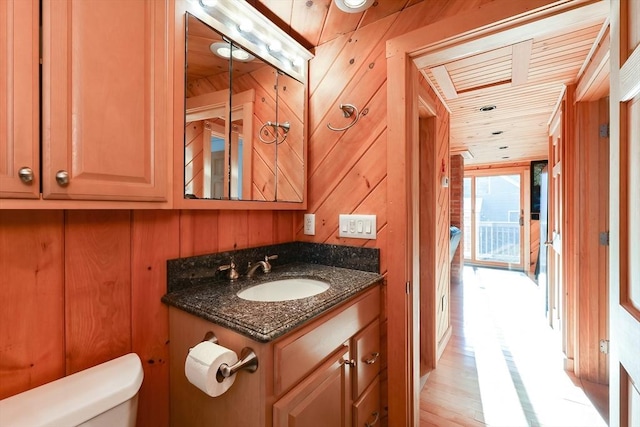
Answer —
(266, 267)
(233, 273)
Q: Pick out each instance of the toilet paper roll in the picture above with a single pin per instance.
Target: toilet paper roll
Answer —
(202, 366)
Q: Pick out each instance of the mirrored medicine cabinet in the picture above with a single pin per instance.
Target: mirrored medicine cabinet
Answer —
(245, 110)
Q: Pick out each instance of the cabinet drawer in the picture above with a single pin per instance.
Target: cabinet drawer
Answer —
(366, 353)
(297, 354)
(366, 410)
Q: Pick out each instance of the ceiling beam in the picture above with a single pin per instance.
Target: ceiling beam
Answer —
(520, 58)
(442, 77)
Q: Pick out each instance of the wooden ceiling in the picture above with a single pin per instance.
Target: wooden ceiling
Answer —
(524, 80)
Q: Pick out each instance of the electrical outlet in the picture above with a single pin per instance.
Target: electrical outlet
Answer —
(310, 224)
(604, 346)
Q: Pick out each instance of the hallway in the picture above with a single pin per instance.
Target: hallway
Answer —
(503, 364)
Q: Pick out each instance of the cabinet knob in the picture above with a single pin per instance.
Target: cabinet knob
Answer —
(62, 178)
(376, 417)
(26, 174)
(372, 359)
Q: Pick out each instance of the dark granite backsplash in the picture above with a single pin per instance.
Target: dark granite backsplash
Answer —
(183, 273)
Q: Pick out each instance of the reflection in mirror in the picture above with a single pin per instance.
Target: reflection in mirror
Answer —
(244, 123)
(207, 106)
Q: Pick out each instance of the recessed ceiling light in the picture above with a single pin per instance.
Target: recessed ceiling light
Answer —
(504, 147)
(353, 6)
(488, 108)
(497, 132)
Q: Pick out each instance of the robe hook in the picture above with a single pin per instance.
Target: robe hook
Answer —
(284, 126)
(348, 110)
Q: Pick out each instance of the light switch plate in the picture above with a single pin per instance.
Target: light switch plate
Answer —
(357, 226)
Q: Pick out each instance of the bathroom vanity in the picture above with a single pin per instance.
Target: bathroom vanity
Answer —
(319, 357)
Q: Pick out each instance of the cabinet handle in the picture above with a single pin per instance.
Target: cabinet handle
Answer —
(26, 174)
(372, 360)
(350, 362)
(62, 178)
(376, 417)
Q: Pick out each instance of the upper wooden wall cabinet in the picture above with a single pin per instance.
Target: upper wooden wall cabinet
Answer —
(105, 103)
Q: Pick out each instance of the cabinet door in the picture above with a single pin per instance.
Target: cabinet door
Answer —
(322, 399)
(106, 85)
(19, 92)
(366, 410)
(367, 356)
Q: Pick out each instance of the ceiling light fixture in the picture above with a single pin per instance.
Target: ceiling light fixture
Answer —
(466, 154)
(353, 6)
(488, 108)
(224, 50)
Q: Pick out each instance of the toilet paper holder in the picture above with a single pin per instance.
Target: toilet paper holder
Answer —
(248, 360)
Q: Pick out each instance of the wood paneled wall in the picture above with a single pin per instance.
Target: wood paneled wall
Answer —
(41, 282)
(82, 287)
(347, 171)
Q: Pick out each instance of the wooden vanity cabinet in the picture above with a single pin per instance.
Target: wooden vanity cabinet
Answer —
(316, 375)
(106, 100)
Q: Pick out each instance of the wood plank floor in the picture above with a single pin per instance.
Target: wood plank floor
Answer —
(503, 364)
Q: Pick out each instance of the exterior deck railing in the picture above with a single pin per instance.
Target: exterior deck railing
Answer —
(495, 241)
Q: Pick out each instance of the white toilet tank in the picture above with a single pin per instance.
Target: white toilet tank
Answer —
(104, 395)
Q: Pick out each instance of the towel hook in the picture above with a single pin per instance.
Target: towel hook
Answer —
(285, 126)
(348, 110)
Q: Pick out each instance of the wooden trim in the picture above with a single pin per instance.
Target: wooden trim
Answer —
(401, 339)
(472, 32)
(596, 67)
(629, 86)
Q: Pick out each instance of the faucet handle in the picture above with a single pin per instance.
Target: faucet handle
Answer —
(267, 265)
(233, 273)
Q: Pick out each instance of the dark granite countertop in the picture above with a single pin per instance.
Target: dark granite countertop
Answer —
(217, 301)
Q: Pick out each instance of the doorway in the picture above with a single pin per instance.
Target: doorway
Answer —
(494, 219)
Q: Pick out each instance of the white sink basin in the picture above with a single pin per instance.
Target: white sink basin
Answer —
(284, 290)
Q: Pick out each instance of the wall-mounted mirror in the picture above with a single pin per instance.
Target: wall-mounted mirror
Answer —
(244, 121)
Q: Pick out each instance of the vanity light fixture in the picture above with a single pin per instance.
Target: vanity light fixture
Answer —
(255, 34)
(353, 6)
(274, 46)
(245, 26)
